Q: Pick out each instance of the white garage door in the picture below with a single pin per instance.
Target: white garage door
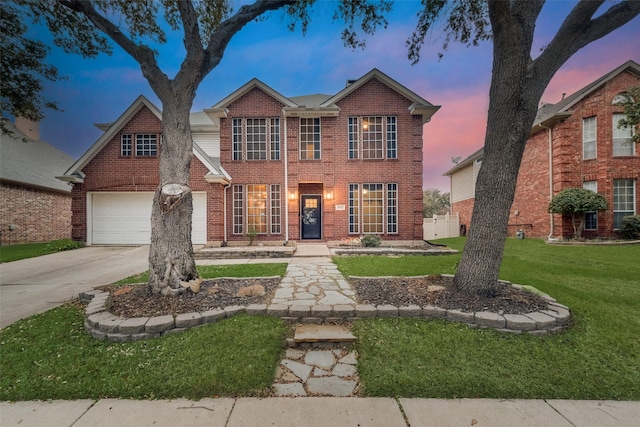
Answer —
(124, 218)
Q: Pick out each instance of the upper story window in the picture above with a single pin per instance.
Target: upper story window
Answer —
(146, 145)
(622, 143)
(372, 137)
(126, 145)
(255, 138)
(589, 138)
(310, 138)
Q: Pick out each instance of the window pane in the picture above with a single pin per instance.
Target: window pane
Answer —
(392, 208)
(354, 209)
(589, 138)
(353, 137)
(256, 139)
(237, 139)
(372, 143)
(623, 200)
(372, 210)
(257, 208)
(591, 218)
(238, 208)
(146, 145)
(275, 138)
(392, 150)
(622, 143)
(310, 138)
(126, 145)
(276, 211)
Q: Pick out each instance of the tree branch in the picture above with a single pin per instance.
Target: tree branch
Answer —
(222, 36)
(142, 54)
(192, 40)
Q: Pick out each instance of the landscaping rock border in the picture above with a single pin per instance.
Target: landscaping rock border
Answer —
(101, 324)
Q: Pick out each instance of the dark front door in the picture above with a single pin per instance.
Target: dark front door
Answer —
(311, 217)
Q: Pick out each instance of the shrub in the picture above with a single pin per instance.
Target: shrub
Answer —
(630, 227)
(64, 245)
(370, 241)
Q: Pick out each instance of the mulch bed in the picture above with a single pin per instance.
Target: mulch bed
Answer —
(438, 291)
(136, 301)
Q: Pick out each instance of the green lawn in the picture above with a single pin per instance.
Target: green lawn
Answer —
(597, 358)
(31, 250)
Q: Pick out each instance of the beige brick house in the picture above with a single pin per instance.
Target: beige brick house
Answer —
(574, 143)
(34, 205)
(317, 167)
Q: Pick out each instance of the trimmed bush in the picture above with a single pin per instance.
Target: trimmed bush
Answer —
(630, 227)
(370, 241)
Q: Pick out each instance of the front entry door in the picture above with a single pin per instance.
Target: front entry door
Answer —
(311, 217)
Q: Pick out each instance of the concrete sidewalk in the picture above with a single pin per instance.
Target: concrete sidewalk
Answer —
(321, 411)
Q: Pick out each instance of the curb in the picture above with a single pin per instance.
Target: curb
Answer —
(101, 324)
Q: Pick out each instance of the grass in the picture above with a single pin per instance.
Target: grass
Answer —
(31, 250)
(213, 271)
(597, 358)
(50, 356)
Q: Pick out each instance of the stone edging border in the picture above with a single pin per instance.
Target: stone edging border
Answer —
(101, 324)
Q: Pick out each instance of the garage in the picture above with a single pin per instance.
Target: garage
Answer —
(125, 218)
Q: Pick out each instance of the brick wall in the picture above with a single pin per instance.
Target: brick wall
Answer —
(31, 215)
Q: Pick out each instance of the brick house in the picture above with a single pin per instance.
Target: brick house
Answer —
(34, 205)
(317, 167)
(574, 143)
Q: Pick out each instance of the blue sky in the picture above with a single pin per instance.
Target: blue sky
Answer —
(99, 90)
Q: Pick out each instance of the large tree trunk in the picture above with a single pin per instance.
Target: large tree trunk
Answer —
(171, 258)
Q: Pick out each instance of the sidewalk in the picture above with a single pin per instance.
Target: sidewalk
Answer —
(321, 411)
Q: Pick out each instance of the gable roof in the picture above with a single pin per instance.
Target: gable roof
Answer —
(550, 114)
(420, 106)
(33, 163)
(74, 173)
(312, 105)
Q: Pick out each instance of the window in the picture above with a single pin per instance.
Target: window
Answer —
(392, 208)
(256, 139)
(257, 208)
(126, 145)
(354, 209)
(589, 138)
(623, 200)
(238, 209)
(372, 137)
(591, 218)
(237, 139)
(310, 138)
(276, 209)
(622, 143)
(367, 208)
(146, 145)
(275, 138)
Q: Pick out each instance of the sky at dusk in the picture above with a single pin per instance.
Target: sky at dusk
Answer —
(99, 90)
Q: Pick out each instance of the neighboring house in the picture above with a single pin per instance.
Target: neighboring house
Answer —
(317, 167)
(574, 143)
(34, 205)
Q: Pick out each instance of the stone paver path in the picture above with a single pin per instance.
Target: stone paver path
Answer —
(314, 283)
(317, 372)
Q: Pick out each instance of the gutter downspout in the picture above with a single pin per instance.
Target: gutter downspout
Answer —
(286, 180)
(551, 222)
(224, 212)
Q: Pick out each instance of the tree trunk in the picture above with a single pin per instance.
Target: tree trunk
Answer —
(171, 258)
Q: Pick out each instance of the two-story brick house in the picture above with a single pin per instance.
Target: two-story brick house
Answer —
(317, 167)
(573, 143)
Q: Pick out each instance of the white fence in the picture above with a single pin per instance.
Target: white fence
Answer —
(441, 226)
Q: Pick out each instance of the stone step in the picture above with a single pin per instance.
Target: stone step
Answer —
(323, 333)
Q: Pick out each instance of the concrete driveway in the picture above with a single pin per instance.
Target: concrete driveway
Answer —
(35, 285)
